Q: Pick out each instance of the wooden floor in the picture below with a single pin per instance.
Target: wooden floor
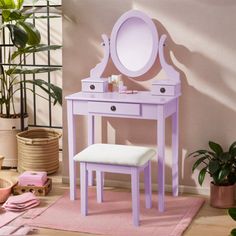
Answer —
(209, 221)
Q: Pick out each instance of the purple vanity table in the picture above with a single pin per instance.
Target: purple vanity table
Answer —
(131, 59)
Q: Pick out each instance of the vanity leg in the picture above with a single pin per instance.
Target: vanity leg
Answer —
(71, 149)
(90, 141)
(161, 158)
(175, 150)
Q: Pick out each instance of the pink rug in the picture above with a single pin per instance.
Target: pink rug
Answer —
(113, 216)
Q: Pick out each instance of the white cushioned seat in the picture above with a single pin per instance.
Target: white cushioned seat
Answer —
(116, 154)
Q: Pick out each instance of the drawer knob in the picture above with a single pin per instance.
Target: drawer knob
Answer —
(92, 87)
(113, 108)
(162, 90)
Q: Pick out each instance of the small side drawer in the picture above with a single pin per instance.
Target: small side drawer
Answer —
(114, 108)
(94, 86)
(165, 90)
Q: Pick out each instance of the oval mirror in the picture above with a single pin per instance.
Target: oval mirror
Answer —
(134, 43)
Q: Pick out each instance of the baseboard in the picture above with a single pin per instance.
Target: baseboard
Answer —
(168, 188)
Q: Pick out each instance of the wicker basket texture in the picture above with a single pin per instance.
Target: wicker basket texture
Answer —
(38, 150)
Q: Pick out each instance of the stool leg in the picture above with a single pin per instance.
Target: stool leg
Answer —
(83, 189)
(148, 185)
(99, 179)
(135, 195)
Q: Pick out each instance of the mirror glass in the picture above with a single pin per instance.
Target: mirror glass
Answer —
(134, 44)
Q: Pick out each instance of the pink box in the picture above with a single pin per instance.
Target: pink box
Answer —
(34, 178)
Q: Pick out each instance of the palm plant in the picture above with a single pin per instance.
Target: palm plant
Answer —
(25, 38)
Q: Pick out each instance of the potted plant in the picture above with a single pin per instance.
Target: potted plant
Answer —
(221, 166)
(26, 40)
(232, 213)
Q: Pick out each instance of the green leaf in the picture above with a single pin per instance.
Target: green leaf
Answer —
(2, 100)
(54, 91)
(215, 178)
(19, 4)
(198, 152)
(18, 36)
(32, 49)
(232, 146)
(24, 71)
(58, 94)
(225, 157)
(232, 213)
(13, 15)
(34, 36)
(198, 162)
(201, 175)
(213, 166)
(215, 147)
(223, 173)
(7, 4)
(233, 232)
(5, 15)
(233, 152)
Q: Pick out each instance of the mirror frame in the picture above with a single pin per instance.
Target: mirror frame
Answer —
(115, 33)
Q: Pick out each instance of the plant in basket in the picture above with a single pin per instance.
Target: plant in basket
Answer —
(24, 40)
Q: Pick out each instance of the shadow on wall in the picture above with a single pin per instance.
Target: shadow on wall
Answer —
(201, 116)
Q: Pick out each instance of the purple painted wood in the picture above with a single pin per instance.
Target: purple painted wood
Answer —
(71, 149)
(98, 70)
(132, 170)
(161, 157)
(175, 151)
(98, 85)
(91, 134)
(142, 97)
(135, 195)
(152, 107)
(135, 32)
(114, 108)
(109, 168)
(148, 185)
(83, 189)
(170, 71)
(99, 179)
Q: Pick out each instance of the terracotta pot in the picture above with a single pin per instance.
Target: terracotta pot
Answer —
(222, 196)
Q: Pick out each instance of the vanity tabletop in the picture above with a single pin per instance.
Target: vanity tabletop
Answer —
(144, 97)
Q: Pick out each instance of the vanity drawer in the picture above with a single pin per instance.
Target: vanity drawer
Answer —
(114, 108)
(94, 85)
(165, 90)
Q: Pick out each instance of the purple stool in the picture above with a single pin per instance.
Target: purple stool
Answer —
(116, 159)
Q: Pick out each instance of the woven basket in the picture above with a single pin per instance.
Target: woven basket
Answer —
(5, 189)
(38, 150)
